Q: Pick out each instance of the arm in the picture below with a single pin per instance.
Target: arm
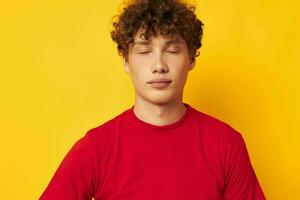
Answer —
(75, 177)
(240, 179)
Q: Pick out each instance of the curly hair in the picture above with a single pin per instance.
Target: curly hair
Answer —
(168, 16)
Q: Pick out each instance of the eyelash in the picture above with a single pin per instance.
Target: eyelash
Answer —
(173, 52)
(144, 52)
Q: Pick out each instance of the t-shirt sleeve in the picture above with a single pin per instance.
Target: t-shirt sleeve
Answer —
(75, 177)
(240, 179)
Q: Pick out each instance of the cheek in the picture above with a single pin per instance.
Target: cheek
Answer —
(181, 76)
(137, 60)
(137, 75)
(138, 68)
(179, 63)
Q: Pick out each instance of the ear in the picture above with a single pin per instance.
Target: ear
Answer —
(126, 66)
(192, 65)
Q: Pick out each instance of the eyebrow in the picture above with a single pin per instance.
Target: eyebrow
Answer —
(147, 42)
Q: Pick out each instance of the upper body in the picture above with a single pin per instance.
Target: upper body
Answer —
(161, 148)
(196, 157)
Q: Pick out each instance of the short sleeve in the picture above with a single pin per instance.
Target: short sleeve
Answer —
(75, 177)
(240, 179)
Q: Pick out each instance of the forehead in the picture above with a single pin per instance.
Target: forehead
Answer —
(140, 39)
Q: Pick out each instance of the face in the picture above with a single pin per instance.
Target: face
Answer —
(158, 68)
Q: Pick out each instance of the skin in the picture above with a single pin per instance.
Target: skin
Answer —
(159, 57)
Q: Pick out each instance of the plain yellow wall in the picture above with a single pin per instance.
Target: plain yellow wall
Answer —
(61, 75)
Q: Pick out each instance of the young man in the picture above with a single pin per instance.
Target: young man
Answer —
(161, 148)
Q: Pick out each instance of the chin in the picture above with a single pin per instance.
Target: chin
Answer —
(160, 102)
(160, 99)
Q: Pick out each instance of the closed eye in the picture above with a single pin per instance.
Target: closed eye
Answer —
(173, 51)
(143, 52)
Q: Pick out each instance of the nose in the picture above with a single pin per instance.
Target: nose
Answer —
(159, 64)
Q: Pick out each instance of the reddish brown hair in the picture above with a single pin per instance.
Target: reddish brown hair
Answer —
(168, 16)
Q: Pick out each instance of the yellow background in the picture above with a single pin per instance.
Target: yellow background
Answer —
(61, 75)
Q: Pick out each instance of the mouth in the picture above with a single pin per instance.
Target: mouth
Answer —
(159, 84)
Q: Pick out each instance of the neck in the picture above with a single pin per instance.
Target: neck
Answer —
(159, 114)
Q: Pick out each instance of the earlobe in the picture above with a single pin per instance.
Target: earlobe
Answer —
(192, 65)
(126, 66)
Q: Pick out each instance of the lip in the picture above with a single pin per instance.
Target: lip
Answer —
(160, 83)
(160, 80)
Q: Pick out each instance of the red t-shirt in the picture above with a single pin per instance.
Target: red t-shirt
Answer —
(196, 157)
